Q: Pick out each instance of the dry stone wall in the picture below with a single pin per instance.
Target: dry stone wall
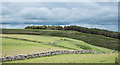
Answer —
(53, 44)
(49, 53)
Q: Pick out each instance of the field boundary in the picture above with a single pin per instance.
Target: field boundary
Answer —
(52, 44)
(43, 54)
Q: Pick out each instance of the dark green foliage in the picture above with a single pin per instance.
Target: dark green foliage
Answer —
(54, 27)
(36, 27)
(117, 61)
(93, 39)
(45, 27)
(93, 31)
(80, 29)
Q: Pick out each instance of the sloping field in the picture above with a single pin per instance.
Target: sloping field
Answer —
(77, 44)
(92, 39)
(15, 47)
(40, 38)
(72, 58)
(15, 44)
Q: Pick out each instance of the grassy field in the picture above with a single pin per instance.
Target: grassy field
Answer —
(77, 44)
(40, 38)
(96, 40)
(72, 58)
(70, 43)
(15, 44)
(14, 47)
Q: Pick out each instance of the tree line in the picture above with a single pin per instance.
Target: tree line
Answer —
(96, 31)
(45, 27)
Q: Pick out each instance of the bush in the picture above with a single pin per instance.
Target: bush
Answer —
(117, 61)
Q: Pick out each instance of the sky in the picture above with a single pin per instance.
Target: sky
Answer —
(103, 15)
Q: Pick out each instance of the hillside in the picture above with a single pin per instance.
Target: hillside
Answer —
(41, 40)
(24, 41)
(93, 39)
(96, 31)
(11, 47)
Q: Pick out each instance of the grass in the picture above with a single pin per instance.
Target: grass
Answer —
(13, 47)
(77, 44)
(69, 43)
(79, 41)
(92, 39)
(41, 38)
(72, 58)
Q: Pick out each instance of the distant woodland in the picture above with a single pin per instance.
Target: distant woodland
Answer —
(96, 31)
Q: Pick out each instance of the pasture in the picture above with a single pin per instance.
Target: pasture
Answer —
(72, 58)
(40, 38)
(92, 39)
(34, 41)
(11, 47)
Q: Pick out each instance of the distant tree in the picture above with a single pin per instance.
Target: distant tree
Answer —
(43, 27)
(80, 29)
(55, 27)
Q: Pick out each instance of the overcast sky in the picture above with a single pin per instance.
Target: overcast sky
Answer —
(87, 14)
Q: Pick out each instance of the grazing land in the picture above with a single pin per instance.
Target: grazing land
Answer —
(11, 47)
(28, 41)
(72, 58)
(40, 38)
(92, 39)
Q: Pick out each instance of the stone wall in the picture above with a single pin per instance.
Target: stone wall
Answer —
(53, 44)
(49, 53)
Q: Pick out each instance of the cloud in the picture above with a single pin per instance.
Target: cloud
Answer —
(65, 14)
(60, 0)
(61, 13)
(6, 11)
(36, 13)
(107, 27)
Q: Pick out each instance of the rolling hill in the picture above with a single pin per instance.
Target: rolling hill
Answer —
(22, 41)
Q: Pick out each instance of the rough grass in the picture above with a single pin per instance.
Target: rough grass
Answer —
(41, 38)
(14, 47)
(77, 44)
(72, 58)
(69, 43)
(93, 39)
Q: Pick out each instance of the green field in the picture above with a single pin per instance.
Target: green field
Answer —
(11, 47)
(72, 58)
(77, 44)
(92, 39)
(10, 44)
(40, 38)
(22, 41)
